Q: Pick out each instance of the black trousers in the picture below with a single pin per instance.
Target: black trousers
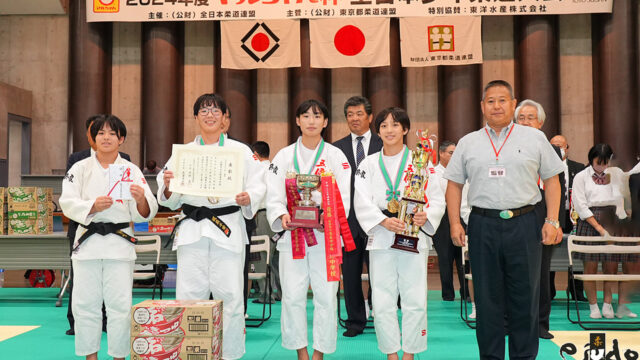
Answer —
(447, 254)
(505, 260)
(545, 287)
(352, 282)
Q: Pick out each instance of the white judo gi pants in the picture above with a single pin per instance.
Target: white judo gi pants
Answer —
(295, 276)
(95, 281)
(205, 268)
(393, 272)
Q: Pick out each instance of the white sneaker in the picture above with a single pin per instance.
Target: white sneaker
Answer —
(246, 316)
(473, 311)
(595, 312)
(367, 311)
(607, 311)
(623, 311)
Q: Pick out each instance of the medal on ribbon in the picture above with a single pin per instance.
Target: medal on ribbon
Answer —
(393, 194)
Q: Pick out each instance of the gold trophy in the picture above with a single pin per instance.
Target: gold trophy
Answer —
(413, 199)
(306, 213)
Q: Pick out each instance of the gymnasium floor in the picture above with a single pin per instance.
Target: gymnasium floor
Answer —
(31, 327)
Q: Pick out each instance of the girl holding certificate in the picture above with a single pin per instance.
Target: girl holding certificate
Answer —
(210, 240)
(379, 185)
(309, 255)
(103, 254)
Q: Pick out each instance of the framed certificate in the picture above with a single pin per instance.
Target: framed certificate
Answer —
(212, 171)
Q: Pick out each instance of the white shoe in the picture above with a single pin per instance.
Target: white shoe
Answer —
(623, 311)
(607, 311)
(473, 311)
(246, 316)
(595, 312)
(367, 311)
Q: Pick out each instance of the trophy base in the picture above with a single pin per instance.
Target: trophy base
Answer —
(406, 243)
(305, 217)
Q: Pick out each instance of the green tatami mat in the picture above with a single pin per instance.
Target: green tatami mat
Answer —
(31, 327)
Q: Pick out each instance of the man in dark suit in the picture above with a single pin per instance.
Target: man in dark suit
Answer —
(530, 113)
(571, 168)
(73, 226)
(356, 146)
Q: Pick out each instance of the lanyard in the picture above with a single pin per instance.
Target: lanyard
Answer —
(393, 192)
(315, 160)
(220, 141)
(504, 142)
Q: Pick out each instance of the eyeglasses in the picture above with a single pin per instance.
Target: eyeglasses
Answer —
(214, 111)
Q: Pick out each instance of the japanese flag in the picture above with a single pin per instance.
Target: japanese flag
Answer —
(260, 44)
(339, 43)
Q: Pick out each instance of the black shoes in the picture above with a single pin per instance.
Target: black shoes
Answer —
(546, 335)
(351, 333)
(70, 332)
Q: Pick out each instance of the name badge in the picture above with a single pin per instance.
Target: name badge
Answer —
(497, 171)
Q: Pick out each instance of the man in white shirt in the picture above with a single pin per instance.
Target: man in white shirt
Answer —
(447, 252)
(356, 146)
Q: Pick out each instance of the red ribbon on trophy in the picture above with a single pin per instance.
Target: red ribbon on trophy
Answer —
(298, 235)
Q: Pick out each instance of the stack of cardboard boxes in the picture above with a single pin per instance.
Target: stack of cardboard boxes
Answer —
(3, 212)
(29, 210)
(176, 329)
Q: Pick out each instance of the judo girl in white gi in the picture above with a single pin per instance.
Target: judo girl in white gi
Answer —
(310, 154)
(104, 254)
(379, 183)
(210, 239)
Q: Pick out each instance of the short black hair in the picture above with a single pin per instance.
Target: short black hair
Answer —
(357, 101)
(313, 104)
(206, 100)
(602, 152)
(398, 115)
(91, 119)
(317, 107)
(261, 148)
(496, 83)
(114, 123)
(444, 144)
(151, 164)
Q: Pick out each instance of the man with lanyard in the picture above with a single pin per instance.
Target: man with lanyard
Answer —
(502, 162)
(356, 146)
(210, 240)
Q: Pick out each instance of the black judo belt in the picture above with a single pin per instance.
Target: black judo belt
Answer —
(198, 213)
(105, 229)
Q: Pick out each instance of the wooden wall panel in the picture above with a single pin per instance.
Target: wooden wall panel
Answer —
(273, 108)
(498, 49)
(345, 83)
(126, 82)
(422, 101)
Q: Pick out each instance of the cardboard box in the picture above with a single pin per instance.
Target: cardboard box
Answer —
(21, 226)
(22, 214)
(177, 318)
(173, 347)
(21, 198)
(162, 224)
(44, 195)
(44, 225)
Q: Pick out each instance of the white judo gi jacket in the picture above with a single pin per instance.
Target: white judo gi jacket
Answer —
(85, 181)
(332, 159)
(190, 231)
(370, 200)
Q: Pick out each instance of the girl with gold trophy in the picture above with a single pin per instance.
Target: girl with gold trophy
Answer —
(392, 181)
(308, 196)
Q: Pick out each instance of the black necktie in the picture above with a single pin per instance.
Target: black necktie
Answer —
(359, 151)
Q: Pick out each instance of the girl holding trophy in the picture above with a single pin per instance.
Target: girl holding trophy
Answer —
(398, 201)
(310, 248)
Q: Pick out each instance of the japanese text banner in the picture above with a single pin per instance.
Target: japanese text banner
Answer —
(193, 10)
(441, 41)
(271, 44)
